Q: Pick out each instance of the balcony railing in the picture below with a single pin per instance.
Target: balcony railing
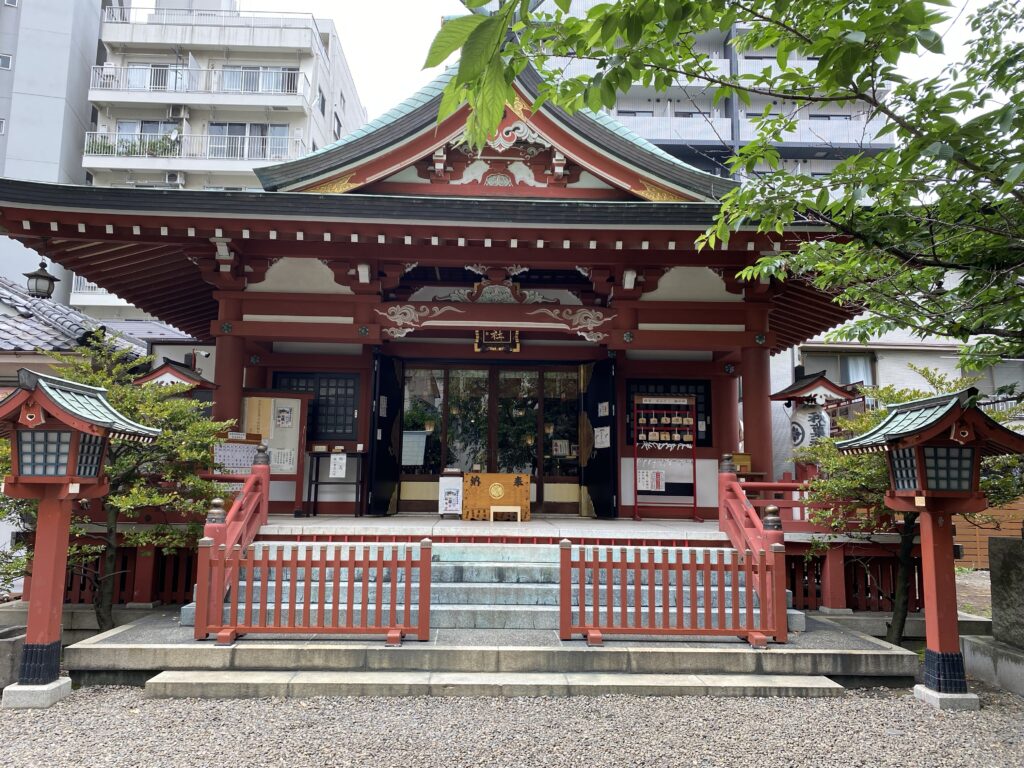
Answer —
(268, 82)
(853, 131)
(194, 146)
(678, 128)
(81, 285)
(198, 17)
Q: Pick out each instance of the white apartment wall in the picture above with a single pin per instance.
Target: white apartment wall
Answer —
(892, 366)
(44, 98)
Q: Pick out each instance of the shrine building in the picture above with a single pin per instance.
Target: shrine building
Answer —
(537, 308)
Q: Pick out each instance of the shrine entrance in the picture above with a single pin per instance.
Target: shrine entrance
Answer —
(508, 418)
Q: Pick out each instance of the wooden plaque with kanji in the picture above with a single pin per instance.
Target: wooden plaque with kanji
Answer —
(483, 490)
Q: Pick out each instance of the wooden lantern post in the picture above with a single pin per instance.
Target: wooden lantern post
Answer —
(60, 433)
(934, 449)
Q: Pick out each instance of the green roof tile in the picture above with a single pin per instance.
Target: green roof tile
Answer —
(87, 403)
(904, 420)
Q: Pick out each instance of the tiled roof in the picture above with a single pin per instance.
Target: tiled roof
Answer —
(905, 420)
(420, 111)
(146, 330)
(29, 324)
(87, 403)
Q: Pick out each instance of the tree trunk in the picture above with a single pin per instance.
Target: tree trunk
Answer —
(904, 572)
(103, 601)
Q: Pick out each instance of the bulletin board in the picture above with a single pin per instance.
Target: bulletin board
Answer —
(280, 421)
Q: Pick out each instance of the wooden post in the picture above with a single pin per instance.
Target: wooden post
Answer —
(229, 367)
(40, 661)
(423, 620)
(833, 579)
(145, 570)
(943, 661)
(204, 548)
(728, 414)
(565, 590)
(778, 587)
(261, 468)
(757, 413)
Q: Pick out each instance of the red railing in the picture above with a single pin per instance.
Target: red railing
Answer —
(248, 512)
(314, 589)
(672, 591)
(738, 518)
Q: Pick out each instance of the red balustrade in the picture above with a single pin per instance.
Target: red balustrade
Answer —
(739, 518)
(314, 589)
(672, 591)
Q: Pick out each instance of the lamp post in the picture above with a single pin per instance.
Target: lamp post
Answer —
(934, 449)
(60, 433)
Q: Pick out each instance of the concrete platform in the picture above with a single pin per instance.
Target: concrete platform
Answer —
(998, 664)
(133, 654)
(552, 528)
(18, 696)
(208, 684)
(875, 623)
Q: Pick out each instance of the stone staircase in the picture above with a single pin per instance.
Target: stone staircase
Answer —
(486, 587)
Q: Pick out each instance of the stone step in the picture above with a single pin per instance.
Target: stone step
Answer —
(452, 593)
(471, 616)
(217, 684)
(487, 572)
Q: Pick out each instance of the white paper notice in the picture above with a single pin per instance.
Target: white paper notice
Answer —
(650, 480)
(602, 409)
(338, 467)
(603, 437)
(282, 461)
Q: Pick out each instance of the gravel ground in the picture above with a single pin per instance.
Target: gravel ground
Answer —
(974, 592)
(116, 726)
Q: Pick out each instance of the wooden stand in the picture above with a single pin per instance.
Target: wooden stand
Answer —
(663, 423)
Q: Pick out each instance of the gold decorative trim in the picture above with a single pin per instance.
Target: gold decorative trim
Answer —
(519, 108)
(659, 194)
(335, 186)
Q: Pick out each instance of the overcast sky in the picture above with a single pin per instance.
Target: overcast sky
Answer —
(386, 42)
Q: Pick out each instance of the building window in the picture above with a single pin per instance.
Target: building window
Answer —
(314, 146)
(11, 3)
(255, 79)
(337, 126)
(842, 368)
(321, 102)
(341, 100)
(830, 117)
(332, 411)
(3, 125)
(252, 141)
(5, 60)
(634, 112)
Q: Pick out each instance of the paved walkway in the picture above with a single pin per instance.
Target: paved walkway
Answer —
(556, 527)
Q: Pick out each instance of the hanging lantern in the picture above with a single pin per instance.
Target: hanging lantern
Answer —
(41, 283)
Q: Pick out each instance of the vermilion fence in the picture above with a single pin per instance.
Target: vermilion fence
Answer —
(672, 591)
(314, 589)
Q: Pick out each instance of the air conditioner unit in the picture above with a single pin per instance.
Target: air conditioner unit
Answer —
(176, 178)
(177, 112)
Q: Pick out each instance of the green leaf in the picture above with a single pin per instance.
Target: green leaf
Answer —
(451, 37)
(480, 49)
(929, 40)
(563, 5)
(493, 94)
(1013, 174)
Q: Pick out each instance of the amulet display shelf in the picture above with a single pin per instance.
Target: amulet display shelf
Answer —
(662, 424)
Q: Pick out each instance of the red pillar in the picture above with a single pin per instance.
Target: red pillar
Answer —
(833, 579)
(728, 407)
(230, 364)
(40, 661)
(145, 570)
(943, 661)
(757, 411)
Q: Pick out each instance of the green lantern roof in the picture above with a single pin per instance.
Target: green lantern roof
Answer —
(88, 404)
(931, 416)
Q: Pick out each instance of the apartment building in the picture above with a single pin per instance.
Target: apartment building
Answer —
(47, 48)
(195, 94)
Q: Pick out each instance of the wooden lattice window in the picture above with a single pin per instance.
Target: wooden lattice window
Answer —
(334, 407)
